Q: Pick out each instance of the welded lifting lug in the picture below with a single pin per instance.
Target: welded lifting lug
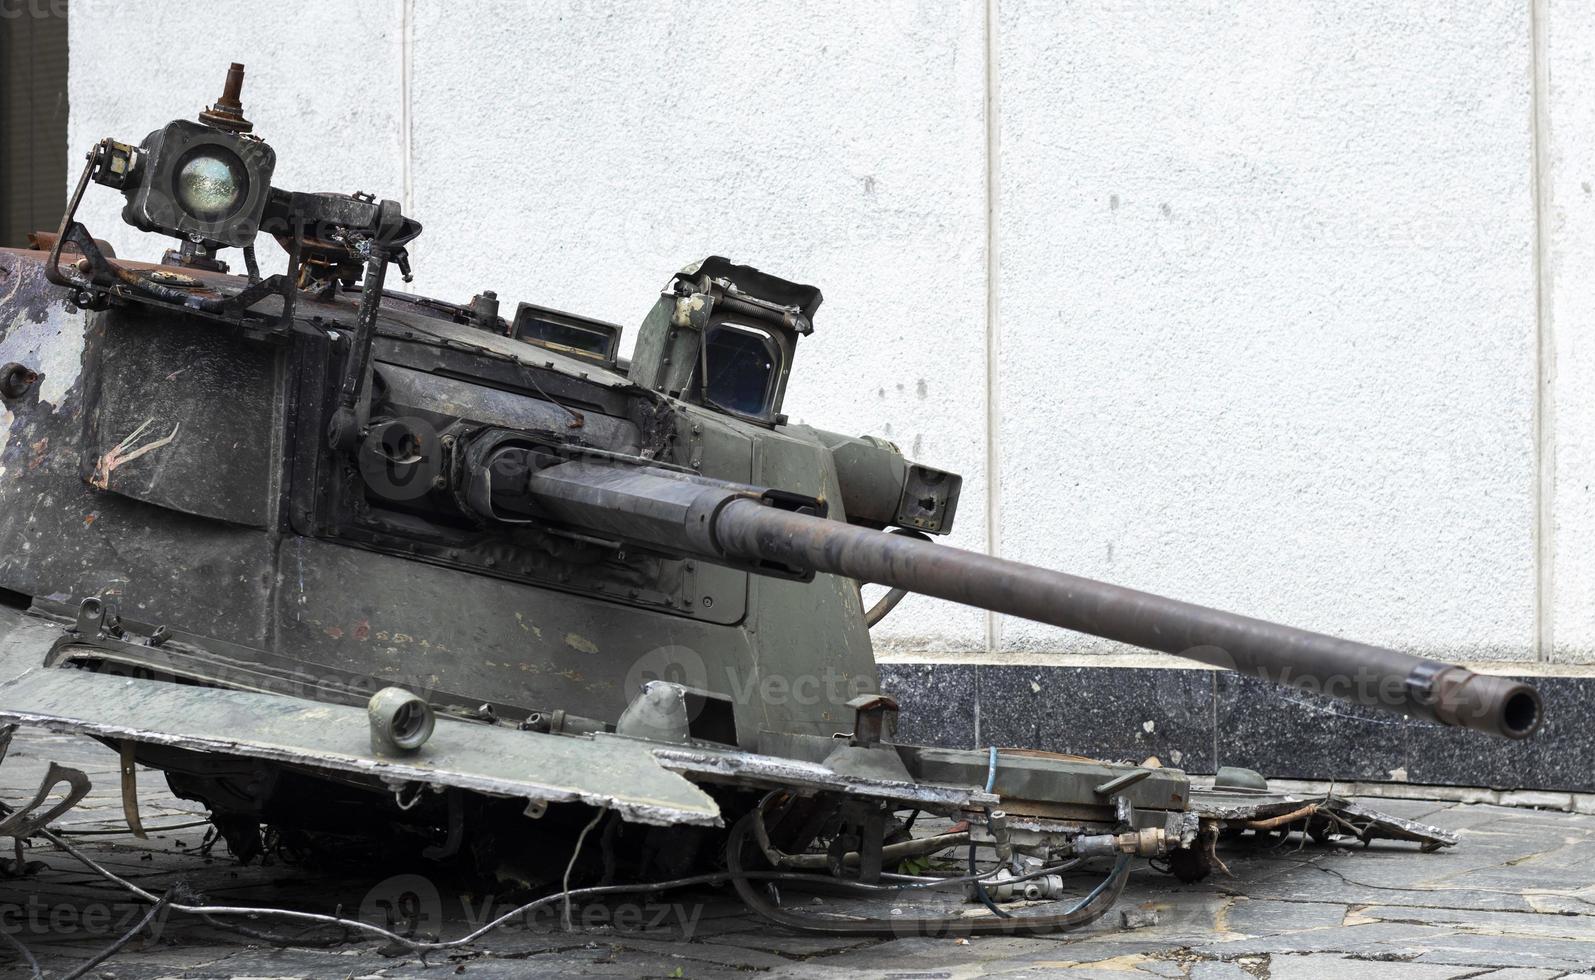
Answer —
(97, 619)
(16, 380)
(874, 719)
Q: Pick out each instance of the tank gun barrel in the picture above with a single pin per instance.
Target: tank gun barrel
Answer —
(1370, 675)
(746, 525)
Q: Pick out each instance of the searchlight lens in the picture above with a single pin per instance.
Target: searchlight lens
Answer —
(211, 183)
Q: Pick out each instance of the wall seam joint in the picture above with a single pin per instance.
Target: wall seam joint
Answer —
(1544, 521)
(993, 347)
(406, 79)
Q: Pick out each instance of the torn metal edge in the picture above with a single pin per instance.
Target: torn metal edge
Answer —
(734, 766)
(388, 770)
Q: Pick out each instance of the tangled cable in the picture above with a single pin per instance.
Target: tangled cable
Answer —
(180, 900)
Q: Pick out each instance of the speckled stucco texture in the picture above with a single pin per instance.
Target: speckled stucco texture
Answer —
(1267, 323)
(1269, 329)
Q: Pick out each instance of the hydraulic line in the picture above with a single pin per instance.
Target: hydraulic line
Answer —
(1090, 908)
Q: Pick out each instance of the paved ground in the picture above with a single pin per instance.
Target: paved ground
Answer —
(1516, 901)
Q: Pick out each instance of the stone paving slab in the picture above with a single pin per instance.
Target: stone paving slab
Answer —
(1515, 901)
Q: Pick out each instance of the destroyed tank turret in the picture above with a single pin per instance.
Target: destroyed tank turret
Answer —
(348, 562)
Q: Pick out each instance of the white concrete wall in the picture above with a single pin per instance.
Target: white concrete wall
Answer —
(1272, 304)
(1567, 323)
(1268, 268)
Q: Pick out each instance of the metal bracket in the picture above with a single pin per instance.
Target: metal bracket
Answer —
(349, 419)
(97, 619)
(94, 285)
(129, 767)
(874, 719)
(24, 822)
(1123, 782)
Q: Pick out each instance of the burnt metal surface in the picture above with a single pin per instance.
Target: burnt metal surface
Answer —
(290, 595)
(185, 419)
(1328, 815)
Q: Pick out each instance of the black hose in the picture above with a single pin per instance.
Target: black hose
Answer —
(980, 889)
